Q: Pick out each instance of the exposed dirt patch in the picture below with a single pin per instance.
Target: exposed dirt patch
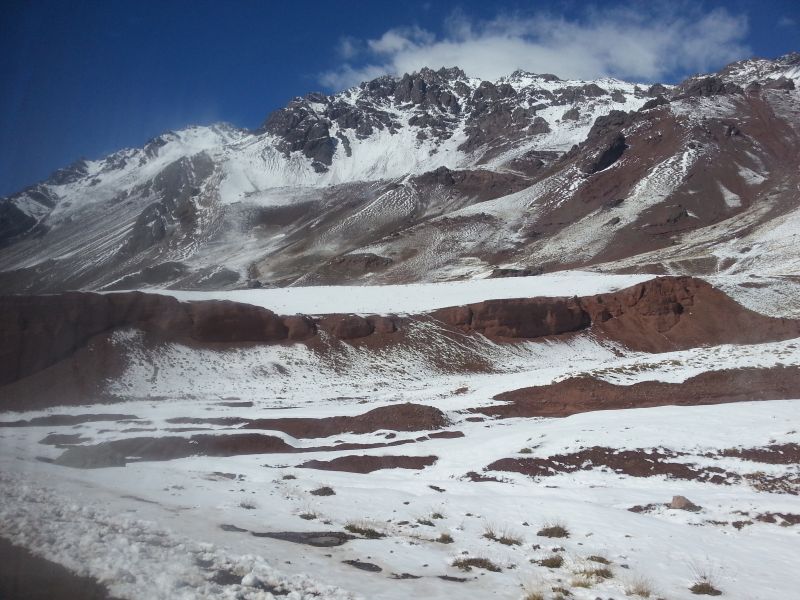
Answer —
(63, 420)
(635, 463)
(319, 539)
(784, 519)
(62, 440)
(368, 464)
(398, 417)
(119, 452)
(584, 394)
(363, 566)
(776, 454)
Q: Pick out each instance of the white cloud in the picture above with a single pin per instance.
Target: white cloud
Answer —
(786, 22)
(645, 44)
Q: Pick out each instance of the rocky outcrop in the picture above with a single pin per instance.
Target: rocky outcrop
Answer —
(605, 155)
(708, 86)
(659, 315)
(40, 330)
(585, 394)
(520, 318)
(666, 313)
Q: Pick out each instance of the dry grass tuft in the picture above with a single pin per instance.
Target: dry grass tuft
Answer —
(466, 564)
(604, 573)
(505, 537)
(553, 530)
(598, 559)
(639, 587)
(445, 538)
(323, 491)
(552, 562)
(364, 530)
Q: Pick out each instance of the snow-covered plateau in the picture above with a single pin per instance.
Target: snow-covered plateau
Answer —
(463, 503)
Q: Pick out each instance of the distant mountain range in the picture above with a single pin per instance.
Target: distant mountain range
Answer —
(435, 176)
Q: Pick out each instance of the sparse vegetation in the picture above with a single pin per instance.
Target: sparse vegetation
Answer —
(704, 584)
(525, 451)
(445, 538)
(288, 477)
(601, 573)
(426, 522)
(553, 530)
(561, 592)
(582, 581)
(705, 588)
(639, 587)
(534, 596)
(598, 559)
(247, 504)
(308, 516)
(552, 562)
(437, 515)
(506, 537)
(364, 530)
(323, 491)
(466, 564)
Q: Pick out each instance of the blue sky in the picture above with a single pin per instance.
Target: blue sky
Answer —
(87, 78)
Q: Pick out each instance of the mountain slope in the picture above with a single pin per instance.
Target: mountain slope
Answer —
(433, 176)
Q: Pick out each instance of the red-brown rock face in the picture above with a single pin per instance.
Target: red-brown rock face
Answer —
(662, 314)
(518, 318)
(40, 330)
(667, 313)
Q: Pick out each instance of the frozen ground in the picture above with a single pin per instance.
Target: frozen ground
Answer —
(155, 529)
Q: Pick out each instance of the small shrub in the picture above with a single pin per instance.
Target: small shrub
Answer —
(445, 538)
(599, 559)
(323, 491)
(534, 596)
(364, 530)
(466, 564)
(525, 451)
(437, 515)
(288, 477)
(308, 516)
(552, 562)
(553, 530)
(426, 522)
(247, 504)
(563, 592)
(705, 588)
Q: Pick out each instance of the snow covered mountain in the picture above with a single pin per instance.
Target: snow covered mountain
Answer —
(434, 176)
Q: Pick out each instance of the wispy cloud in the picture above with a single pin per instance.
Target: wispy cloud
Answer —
(643, 44)
(786, 22)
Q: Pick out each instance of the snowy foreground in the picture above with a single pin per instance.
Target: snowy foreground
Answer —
(184, 528)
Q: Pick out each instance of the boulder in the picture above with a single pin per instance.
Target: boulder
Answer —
(683, 503)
